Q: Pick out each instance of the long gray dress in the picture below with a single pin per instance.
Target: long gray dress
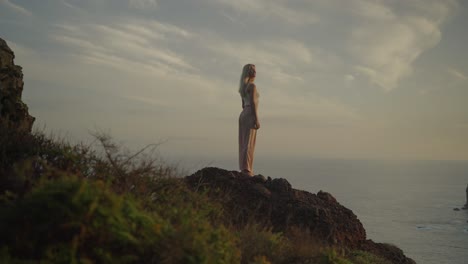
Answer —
(247, 131)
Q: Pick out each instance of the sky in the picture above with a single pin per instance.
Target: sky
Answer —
(338, 79)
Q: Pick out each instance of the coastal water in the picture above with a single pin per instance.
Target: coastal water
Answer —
(406, 203)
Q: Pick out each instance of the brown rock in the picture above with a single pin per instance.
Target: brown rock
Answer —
(275, 203)
(390, 252)
(13, 112)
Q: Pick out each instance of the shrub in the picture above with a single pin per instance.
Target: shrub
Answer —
(330, 256)
(261, 245)
(78, 221)
(362, 257)
(197, 234)
(25, 158)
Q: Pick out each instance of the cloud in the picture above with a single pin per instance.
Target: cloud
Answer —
(381, 40)
(69, 5)
(273, 58)
(349, 78)
(374, 40)
(373, 10)
(283, 60)
(126, 43)
(15, 7)
(271, 9)
(143, 4)
(457, 74)
(392, 50)
(385, 43)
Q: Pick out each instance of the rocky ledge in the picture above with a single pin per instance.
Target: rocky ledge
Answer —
(275, 203)
(13, 112)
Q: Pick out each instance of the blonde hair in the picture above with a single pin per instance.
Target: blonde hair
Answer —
(244, 79)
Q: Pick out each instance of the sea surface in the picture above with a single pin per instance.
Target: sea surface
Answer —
(406, 203)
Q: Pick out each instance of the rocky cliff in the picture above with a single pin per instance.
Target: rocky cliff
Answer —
(13, 112)
(275, 203)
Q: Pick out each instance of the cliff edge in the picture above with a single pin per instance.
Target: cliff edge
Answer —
(13, 112)
(275, 203)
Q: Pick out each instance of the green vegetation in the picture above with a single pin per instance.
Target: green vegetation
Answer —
(361, 257)
(63, 203)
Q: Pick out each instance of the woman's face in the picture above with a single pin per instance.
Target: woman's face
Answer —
(252, 71)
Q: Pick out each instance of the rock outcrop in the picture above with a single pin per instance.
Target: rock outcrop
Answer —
(275, 203)
(13, 112)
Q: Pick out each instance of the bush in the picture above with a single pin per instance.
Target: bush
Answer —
(362, 257)
(77, 221)
(25, 158)
(197, 234)
(261, 245)
(330, 256)
(73, 220)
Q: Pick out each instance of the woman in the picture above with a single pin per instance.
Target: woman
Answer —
(248, 119)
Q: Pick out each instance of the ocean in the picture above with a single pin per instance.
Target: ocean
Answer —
(406, 203)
